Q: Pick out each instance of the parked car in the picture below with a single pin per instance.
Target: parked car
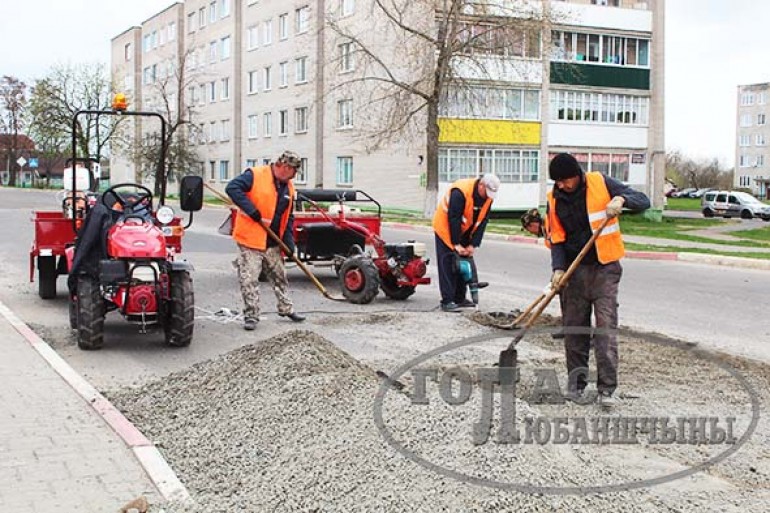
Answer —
(733, 204)
(700, 192)
(684, 193)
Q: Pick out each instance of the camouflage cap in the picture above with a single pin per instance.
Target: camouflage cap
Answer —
(531, 216)
(290, 158)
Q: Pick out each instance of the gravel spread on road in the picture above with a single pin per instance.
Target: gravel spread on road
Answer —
(286, 425)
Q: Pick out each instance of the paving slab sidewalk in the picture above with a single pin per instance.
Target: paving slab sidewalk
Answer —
(56, 453)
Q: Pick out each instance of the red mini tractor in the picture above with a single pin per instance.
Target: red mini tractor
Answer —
(340, 234)
(125, 255)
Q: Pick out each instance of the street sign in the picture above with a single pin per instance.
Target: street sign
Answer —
(33, 162)
(21, 161)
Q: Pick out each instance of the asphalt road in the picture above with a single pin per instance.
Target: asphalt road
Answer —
(717, 307)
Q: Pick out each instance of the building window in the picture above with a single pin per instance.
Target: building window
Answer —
(511, 166)
(162, 37)
(283, 122)
(224, 7)
(202, 17)
(283, 26)
(212, 12)
(759, 140)
(760, 160)
(224, 170)
(212, 169)
(347, 7)
(302, 19)
(345, 113)
(252, 82)
(213, 51)
(225, 88)
(251, 163)
(743, 161)
(172, 31)
(267, 124)
(253, 122)
(225, 132)
(747, 99)
(346, 57)
(252, 37)
(283, 72)
(127, 52)
(225, 47)
(599, 108)
(267, 32)
(267, 83)
(761, 98)
(300, 120)
(745, 120)
(213, 132)
(760, 119)
(190, 23)
(600, 49)
(744, 140)
(202, 95)
(212, 92)
(478, 102)
(301, 176)
(300, 70)
(344, 170)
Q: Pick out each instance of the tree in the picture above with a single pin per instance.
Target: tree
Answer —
(687, 172)
(424, 53)
(65, 90)
(13, 101)
(166, 96)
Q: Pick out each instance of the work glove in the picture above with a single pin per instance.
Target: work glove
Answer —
(256, 215)
(556, 279)
(615, 206)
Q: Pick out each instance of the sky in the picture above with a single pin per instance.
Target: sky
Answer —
(712, 46)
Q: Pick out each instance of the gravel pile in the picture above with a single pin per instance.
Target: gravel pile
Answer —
(287, 425)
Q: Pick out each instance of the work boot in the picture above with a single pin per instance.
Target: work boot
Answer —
(607, 401)
(466, 303)
(294, 316)
(482, 284)
(450, 307)
(250, 323)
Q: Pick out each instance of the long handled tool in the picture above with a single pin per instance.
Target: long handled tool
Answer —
(284, 248)
(509, 356)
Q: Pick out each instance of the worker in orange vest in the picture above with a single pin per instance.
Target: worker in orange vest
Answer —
(264, 194)
(459, 224)
(577, 205)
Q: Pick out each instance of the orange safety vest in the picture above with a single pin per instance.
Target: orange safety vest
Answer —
(609, 245)
(248, 232)
(441, 217)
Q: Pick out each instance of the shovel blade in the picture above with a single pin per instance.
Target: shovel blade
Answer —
(508, 358)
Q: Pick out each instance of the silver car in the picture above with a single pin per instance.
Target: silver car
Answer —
(733, 204)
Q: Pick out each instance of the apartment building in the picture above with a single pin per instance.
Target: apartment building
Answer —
(752, 171)
(265, 76)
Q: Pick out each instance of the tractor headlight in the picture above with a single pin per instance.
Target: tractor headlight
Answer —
(165, 214)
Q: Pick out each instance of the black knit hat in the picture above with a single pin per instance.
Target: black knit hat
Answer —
(564, 166)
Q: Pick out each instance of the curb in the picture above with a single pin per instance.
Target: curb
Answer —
(151, 460)
(698, 258)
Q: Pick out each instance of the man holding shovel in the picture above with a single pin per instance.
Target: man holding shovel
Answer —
(264, 194)
(578, 204)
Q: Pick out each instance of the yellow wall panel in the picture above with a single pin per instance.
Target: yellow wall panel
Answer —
(489, 131)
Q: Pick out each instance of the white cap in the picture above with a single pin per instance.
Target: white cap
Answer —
(491, 184)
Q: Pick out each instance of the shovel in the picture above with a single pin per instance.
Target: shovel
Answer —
(284, 248)
(509, 356)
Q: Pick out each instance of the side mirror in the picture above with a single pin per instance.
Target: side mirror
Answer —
(191, 193)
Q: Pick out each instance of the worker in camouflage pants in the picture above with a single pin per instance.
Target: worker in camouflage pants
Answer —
(264, 196)
(250, 264)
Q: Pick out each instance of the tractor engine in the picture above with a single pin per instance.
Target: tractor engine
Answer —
(406, 261)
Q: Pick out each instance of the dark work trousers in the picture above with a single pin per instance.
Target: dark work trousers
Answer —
(593, 287)
(450, 283)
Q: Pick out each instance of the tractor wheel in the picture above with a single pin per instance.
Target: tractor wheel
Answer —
(90, 314)
(181, 310)
(73, 308)
(46, 277)
(395, 291)
(360, 279)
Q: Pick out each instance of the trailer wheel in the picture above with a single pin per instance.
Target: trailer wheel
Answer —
(394, 291)
(360, 279)
(181, 310)
(90, 314)
(46, 277)
(73, 308)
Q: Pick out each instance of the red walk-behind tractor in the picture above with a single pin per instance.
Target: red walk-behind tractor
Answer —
(125, 254)
(338, 235)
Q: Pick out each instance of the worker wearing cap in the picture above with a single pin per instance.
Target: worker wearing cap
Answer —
(577, 205)
(264, 194)
(459, 224)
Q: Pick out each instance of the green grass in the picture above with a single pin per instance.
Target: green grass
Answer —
(692, 204)
(673, 249)
(758, 234)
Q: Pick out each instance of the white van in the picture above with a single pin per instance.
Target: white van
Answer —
(733, 204)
